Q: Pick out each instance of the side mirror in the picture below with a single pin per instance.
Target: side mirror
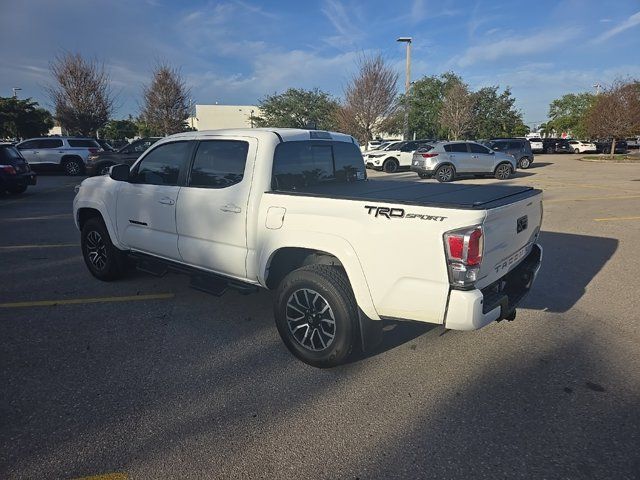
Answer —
(119, 173)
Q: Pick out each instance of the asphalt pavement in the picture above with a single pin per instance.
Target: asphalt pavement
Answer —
(146, 378)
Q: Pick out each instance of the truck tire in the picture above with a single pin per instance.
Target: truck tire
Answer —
(445, 173)
(103, 259)
(390, 165)
(73, 167)
(316, 315)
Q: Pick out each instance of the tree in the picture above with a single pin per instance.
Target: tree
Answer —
(166, 105)
(425, 102)
(456, 114)
(495, 115)
(615, 113)
(119, 129)
(370, 98)
(569, 112)
(23, 118)
(82, 94)
(298, 108)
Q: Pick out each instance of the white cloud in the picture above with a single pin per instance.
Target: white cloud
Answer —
(630, 22)
(516, 46)
(348, 33)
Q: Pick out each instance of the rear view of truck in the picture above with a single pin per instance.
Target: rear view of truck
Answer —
(493, 265)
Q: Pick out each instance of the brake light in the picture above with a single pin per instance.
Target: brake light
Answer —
(429, 155)
(8, 169)
(464, 249)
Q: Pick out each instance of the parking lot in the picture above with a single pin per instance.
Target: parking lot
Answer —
(147, 378)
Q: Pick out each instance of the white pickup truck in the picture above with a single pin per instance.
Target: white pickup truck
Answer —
(293, 211)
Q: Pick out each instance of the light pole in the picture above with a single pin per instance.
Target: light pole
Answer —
(597, 86)
(407, 84)
(15, 91)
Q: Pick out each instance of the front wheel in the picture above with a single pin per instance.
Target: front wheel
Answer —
(316, 315)
(445, 173)
(503, 171)
(525, 162)
(391, 165)
(103, 259)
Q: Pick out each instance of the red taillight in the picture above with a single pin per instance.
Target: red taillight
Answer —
(456, 246)
(8, 169)
(474, 250)
(429, 155)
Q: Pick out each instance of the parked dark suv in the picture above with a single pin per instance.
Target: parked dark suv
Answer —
(15, 173)
(604, 146)
(519, 148)
(556, 145)
(100, 163)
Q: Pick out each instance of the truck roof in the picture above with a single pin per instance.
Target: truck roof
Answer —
(283, 134)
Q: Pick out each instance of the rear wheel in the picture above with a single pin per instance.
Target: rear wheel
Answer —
(503, 171)
(316, 315)
(73, 167)
(576, 150)
(549, 150)
(103, 259)
(390, 165)
(445, 173)
(524, 163)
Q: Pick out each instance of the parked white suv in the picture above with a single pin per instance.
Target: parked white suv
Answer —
(292, 211)
(69, 153)
(394, 157)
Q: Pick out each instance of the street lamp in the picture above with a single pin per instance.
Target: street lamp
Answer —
(597, 86)
(15, 91)
(407, 84)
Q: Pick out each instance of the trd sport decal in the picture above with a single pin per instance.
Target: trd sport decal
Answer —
(399, 213)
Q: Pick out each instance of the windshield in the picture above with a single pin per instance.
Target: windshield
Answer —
(303, 164)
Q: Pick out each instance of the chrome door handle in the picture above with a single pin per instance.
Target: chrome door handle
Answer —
(231, 208)
(167, 201)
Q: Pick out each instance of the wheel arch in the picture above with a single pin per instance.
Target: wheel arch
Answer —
(67, 157)
(91, 210)
(278, 259)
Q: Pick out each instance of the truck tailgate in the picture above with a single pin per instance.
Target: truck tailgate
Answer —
(509, 234)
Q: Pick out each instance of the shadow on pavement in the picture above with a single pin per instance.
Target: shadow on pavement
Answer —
(569, 263)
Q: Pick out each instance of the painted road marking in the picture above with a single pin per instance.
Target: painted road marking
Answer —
(613, 219)
(44, 217)
(106, 476)
(79, 301)
(25, 247)
(583, 199)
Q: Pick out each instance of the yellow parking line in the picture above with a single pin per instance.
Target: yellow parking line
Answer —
(581, 199)
(77, 301)
(25, 247)
(44, 217)
(106, 476)
(613, 219)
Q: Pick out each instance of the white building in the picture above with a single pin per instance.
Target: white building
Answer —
(214, 117)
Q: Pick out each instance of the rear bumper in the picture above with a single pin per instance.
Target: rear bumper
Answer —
(19, 180)
(421, 169)
(474, 309)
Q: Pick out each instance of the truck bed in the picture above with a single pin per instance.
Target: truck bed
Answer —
(443, 195)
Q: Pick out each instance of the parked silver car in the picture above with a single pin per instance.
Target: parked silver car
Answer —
(69, 153)
(446, 160)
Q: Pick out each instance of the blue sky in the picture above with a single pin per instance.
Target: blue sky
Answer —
(237, 51)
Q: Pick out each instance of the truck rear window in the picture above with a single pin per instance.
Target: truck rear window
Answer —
(303, 164)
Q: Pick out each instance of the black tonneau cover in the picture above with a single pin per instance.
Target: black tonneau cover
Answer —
(444, 195)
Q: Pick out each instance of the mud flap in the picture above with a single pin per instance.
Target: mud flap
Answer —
(370, 332)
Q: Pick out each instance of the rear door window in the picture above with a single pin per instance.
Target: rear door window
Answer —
(28, 145)
(307, 163)
(50, 143)
(219, 163)
(9, 154)
(456, 147)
